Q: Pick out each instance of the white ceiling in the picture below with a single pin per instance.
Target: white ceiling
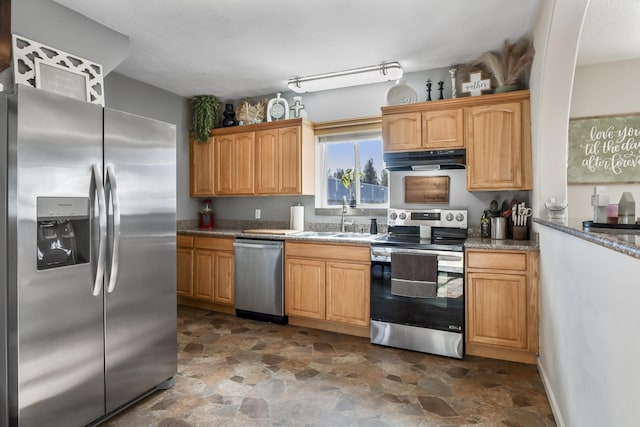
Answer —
(235, 49)
(611, 32)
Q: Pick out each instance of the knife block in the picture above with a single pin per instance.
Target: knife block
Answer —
(519, 232)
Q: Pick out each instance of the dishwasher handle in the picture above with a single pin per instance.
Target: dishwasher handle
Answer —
(257, 245)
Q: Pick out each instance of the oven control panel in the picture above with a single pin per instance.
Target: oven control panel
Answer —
(454, 218)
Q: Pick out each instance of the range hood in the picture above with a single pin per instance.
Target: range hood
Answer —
(425, 160)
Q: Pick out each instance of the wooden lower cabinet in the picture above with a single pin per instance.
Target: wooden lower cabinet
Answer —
(184, 267)
(502, 304)
(305, 288)
(347, 287)
(223, 289)
(328, 282)
(212, 272)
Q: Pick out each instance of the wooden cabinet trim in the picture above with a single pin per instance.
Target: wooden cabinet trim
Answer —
(260, 126)
(442, 104)
(184, 241)
(346, 252)
(496, 260)
(214, 243)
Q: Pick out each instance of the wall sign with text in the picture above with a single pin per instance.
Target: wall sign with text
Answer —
(604, 150)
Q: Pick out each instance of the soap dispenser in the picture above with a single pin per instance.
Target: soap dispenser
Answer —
(626, 209)
(373, 228)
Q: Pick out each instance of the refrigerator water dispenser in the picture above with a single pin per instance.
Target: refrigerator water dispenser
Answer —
(64, 236)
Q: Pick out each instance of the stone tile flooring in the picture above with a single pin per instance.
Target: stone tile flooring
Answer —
(237, 372)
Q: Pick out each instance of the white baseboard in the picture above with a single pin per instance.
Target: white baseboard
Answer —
(555, 409)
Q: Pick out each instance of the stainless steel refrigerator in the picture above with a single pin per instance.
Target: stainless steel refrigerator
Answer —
(87, 255)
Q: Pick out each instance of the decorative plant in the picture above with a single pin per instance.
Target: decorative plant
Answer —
(348, 176)
(508, 65)
(205, 110)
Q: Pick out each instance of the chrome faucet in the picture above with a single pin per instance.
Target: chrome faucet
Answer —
(345, 209)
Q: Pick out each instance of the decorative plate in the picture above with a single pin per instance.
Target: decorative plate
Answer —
(401, 93)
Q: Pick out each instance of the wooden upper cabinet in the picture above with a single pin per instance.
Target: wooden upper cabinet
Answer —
(290, 157)
(498, 153)
(234, 154)
(402, 132)
(267, 163)
(266, 158)
(243, 163)
(201, 168)
(495, 130)
(279, 161)
(443, 129)
(429, 130)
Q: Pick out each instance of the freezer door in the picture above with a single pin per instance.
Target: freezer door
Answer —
(141, 348)
(55, 323)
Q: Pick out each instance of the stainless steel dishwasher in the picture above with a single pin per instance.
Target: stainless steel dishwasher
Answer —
(259, 290)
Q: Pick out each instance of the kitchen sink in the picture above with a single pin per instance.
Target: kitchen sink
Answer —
(352, 235)
(315, 234)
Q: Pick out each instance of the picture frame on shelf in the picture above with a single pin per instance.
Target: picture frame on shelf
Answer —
(58, 79)
(463, 75)
(61, 70)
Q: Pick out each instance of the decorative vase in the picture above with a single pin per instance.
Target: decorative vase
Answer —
(506, 88)
(229, 116)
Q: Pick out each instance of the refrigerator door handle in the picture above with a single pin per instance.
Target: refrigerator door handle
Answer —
(102, 231)
(115, 203)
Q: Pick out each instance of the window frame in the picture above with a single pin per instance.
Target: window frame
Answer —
(347, 128)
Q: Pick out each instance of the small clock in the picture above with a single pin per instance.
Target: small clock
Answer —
(277, 109)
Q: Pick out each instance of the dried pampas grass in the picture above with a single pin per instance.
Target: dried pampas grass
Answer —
(508, 65)
(249, 113)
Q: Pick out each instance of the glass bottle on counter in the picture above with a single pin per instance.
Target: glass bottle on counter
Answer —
(485, 225)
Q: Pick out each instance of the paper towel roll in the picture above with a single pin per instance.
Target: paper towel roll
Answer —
(297, 218)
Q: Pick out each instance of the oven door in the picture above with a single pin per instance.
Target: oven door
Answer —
(444, 311)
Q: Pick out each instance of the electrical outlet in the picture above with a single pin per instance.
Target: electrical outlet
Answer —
(258, 213)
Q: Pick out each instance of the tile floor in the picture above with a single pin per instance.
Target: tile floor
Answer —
(236, 372)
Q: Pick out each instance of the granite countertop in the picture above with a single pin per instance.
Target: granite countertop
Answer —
(327, 237)
(623, 241)
(502, 244)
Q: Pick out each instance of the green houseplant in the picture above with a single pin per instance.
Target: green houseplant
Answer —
(205, 110)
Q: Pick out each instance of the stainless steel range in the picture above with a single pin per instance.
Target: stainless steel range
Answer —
(417, 281)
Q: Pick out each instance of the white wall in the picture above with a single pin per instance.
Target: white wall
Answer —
(603, 89)
(589, 321)
(588, 294)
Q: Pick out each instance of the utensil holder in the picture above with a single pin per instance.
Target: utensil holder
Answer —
(498, 228)
(519, 232)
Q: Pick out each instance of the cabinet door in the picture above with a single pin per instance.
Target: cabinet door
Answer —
(224, 276)
(224, 161)
(348, 293)
(201, 182)
(443, 129)
(267, 163)
(204, 265)
(494, 147)
(497, 309)
(290, 160)
(184, 279)
(243, 162)
(305, 288)
(402, 132)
